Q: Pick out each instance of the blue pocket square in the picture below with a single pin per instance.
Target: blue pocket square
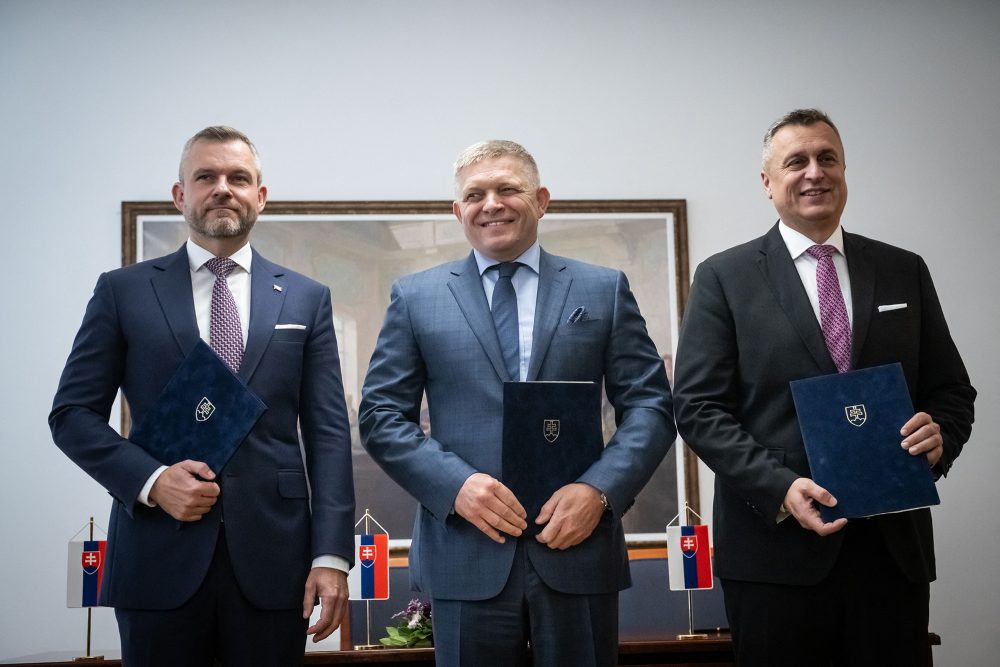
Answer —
(580, 314)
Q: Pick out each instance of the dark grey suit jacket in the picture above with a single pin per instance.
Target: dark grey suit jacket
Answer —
(439, 336)
(748, 331)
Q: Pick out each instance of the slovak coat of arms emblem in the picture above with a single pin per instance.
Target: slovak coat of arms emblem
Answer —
(90, 561)
(550, 429)
(204, 410)
(856, 414)
(689, 546)
(367, 553)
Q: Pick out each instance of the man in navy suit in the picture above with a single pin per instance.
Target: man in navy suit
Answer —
(493, 589)
(203, 566)
(800, 591)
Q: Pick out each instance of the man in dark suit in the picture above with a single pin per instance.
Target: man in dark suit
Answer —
(202, 565)
(572, 321)
(800, 591)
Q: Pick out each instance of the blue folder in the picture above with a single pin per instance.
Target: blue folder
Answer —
(551, 435)
(850, 426)
(203, 413)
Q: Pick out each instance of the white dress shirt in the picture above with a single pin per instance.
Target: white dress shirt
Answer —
(805, 264)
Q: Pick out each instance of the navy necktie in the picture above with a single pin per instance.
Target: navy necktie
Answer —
(504, 310)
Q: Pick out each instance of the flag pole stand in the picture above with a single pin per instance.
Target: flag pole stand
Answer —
(368, 603)
(691, 634)
(90, 619)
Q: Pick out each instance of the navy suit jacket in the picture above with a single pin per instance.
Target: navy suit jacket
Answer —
(439, 336)
(137, 329)
(748, 331)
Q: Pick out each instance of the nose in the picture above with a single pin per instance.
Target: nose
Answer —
(492, 202)
(814, 171)
(222, 187)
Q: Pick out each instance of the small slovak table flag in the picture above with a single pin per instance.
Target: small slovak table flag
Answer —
(689, 557)
(369, 578)
(84, 569)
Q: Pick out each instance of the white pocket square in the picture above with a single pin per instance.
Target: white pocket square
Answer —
(289, 326)
(891, 306)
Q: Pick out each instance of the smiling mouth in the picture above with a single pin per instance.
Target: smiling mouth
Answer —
(495, 223)
(814, 192)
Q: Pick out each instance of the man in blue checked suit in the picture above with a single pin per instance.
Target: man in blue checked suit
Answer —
(204, 566)
(493, 589)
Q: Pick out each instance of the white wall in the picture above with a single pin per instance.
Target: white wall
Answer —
(372, 100)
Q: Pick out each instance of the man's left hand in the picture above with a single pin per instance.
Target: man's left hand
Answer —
(922, 435)
(571, 513)
(330, 586)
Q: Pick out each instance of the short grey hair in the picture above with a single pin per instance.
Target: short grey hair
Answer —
(220, 134)
(494, 149)
(794, 117)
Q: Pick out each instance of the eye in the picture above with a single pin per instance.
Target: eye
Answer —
(473, 196)
(510, 190)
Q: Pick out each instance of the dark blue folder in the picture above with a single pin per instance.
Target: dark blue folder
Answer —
(204, 413)
(850, 425)
(551, 435)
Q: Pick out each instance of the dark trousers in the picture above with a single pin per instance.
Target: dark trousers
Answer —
(217, 625)
(563, 629)
(865, 612)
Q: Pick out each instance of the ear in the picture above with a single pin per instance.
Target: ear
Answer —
(542, 198)
(178, 194)
(261, 198)
(767, 183)
(457, 210)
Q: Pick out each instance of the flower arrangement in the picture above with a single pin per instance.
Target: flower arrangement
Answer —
(414, 628)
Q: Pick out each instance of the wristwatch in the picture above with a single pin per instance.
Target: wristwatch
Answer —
(605, 503)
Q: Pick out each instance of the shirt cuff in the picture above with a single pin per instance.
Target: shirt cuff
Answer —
(148, 486)
(329, 560)
(782, 514)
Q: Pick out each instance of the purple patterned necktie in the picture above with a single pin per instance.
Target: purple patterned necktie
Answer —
(832, 311)
(225, 332)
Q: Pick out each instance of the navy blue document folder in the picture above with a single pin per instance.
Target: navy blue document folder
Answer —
(850, 425)
(204, 413)
(551, 435)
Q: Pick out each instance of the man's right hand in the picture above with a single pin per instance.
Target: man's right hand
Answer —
(185, 490)
(491, 507)
(799, 503)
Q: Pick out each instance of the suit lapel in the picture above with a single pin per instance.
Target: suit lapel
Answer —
(553, 287)
(172, 286)
(466, 286)
(861, 268)
(267, 294)
(779, 271)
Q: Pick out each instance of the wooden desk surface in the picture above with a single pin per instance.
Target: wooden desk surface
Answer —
(717, 650)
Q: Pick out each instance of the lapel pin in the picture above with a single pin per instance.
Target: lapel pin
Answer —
(277, 287)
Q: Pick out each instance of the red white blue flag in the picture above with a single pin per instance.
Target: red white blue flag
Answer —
(689, 557)
(84, 569)
(369, 578)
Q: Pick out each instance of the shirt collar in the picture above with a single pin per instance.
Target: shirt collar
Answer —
(797, 242)
(529, 258)
(197, 256)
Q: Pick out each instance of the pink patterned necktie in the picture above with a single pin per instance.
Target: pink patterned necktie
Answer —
(225, 332)
(832, 311)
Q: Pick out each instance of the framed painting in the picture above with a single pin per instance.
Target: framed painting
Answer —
(358, 248)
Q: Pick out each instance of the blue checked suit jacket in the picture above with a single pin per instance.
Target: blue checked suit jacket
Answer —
(438, 336)
(138, 327)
